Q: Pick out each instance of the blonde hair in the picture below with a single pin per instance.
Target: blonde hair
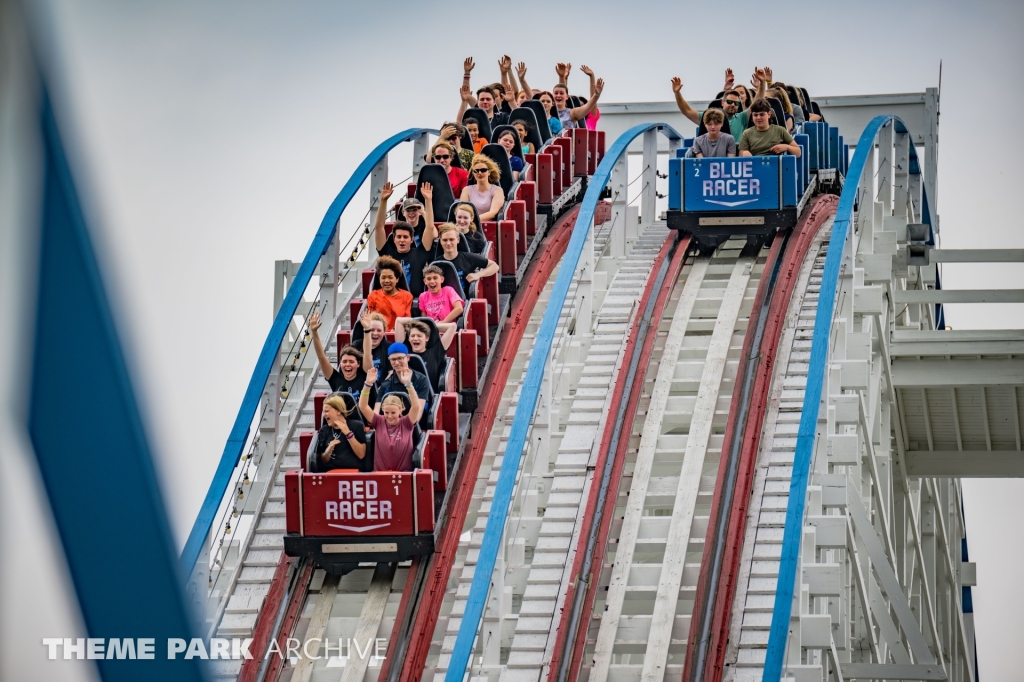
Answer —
(392, 400)
(447, 227)
(379, 318)
(338, 404)
(780, 94)
(495, 173)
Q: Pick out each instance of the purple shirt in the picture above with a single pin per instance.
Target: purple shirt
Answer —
(392, 445)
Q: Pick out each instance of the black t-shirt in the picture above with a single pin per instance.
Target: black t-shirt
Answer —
(500, 118)
(342, 456)
(466, 263)
(339, 384)
(476, 240)
(419, 382)
(413, 261)
(434, 360)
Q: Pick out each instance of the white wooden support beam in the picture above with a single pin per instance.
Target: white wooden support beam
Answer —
(887, 578)
(378, 177)
(865, 205)
(886, 152)
(976, 255)
(908, 373)
(316, 629)
(420, 147)
(328, 269)
(631, 520)
(545, 423)
(649, 179)
(369, 623)
(617, 238)
(933, 296)
(681, 525)
(965, 463)
(931, 152)
(901, 177)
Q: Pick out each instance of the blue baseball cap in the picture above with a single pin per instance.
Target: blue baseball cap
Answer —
(398, 348)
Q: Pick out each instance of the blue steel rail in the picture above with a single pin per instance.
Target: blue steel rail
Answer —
(528, 397)
(243, 421)
(789, 562)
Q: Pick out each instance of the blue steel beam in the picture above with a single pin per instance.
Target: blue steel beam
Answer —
(91, 446)
(240, 431)
(498, 514)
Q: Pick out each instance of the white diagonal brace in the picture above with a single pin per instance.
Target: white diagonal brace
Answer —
(887, 577)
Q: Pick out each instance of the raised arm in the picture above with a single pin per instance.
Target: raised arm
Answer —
(521, 70)
(364, 395)
(429, 231)
(507, 79)
(590, 74)
(416, 403)
(563, 70)
(367, 344)
(314, 330)
(580, 113)
(761, 78)
(380, 237)
(465, 92)
(467, 101)
(684, 107)
(730, 79)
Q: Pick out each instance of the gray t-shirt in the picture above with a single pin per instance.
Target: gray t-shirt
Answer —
(723, 146)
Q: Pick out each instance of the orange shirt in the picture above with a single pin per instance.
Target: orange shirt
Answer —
(391, 307)
(478, 144)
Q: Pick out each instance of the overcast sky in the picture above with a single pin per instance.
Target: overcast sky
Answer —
(209, 139)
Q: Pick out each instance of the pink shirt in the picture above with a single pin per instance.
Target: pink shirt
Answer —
(438, 306)
(392, 445)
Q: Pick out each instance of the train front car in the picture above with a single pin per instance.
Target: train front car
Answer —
(715, 199)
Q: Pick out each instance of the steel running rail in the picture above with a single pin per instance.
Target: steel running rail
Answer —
(779, 631)
(271, 347)
(527, 405)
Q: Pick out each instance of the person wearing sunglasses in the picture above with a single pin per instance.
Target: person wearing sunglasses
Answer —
(485, 194)
(452, 134)
(732, 104)
(458, 178)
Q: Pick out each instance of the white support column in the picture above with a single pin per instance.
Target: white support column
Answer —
(329, 280)
(931, 152)
(885, 167)
(648, 183)
(585, 289)
(269, 404)
(619, 230)
(673, 145)
(865, 205)
(377, 179)
(420, 147)
(542, 425)
(901, 179)
(494, 614)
